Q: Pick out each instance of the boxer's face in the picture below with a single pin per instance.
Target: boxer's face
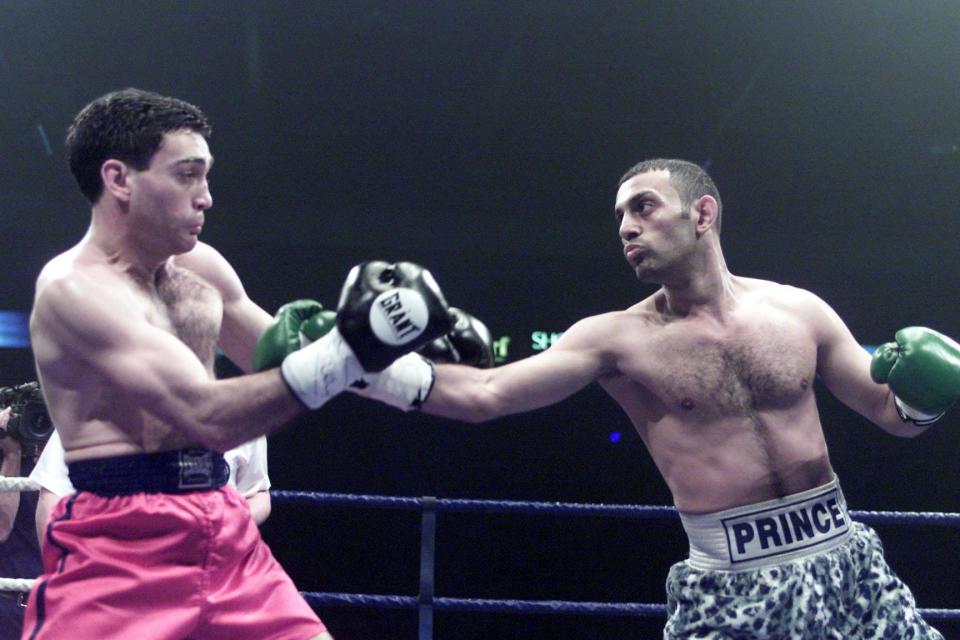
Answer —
(656, 231)
(169, 198)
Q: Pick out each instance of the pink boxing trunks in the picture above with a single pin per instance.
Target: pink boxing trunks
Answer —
(177, 565)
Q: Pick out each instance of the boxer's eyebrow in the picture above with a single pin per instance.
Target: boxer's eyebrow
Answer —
(632, 202)
(195, 160)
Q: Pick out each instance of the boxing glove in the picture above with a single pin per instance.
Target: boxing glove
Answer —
(407, 382)
(468, 342)
(321, 370)
(922, 369)
(388, 310)
(295, 325)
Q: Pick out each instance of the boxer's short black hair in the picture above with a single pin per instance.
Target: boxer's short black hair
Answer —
(689, 179)
(126, 125)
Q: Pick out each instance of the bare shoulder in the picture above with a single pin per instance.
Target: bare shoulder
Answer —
(78, 302)
(781, 295)
(72, 281)
(799, 304)
(60, 269)
(203, 260)
(209, 264)
(608, 329)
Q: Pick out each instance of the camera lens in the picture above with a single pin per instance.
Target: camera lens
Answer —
(35, 423)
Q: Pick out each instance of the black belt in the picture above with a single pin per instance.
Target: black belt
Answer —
(178, 471)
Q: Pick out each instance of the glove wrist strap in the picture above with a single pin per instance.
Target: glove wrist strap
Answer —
(405, 384)
(321, 370)
(910, 414)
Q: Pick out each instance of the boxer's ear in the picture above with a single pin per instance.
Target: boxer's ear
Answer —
(116, 179)
(707, 213)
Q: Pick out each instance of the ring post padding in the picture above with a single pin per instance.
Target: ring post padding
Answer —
(428, 536)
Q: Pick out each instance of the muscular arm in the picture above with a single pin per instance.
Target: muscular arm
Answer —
(844, 367)
(580, 357)
(80, 321)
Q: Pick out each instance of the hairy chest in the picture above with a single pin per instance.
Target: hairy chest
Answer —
(743, 370)
(190, 309)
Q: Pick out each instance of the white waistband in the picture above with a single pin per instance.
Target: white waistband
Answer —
(768, 533)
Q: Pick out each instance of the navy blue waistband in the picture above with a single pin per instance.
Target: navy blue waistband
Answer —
(178, 471)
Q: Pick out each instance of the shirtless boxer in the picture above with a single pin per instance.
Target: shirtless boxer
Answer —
(123, 328)
(716, 373)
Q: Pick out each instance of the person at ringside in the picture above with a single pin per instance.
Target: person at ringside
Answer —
(19, 553)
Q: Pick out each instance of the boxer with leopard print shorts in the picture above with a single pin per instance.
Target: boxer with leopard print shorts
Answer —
(793, 567)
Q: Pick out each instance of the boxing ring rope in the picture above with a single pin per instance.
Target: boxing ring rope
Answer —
(646, 512)
(426, 602)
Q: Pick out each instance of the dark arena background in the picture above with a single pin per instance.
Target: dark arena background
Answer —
(485, 141)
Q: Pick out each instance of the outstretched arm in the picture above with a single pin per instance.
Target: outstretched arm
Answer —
(580, 357)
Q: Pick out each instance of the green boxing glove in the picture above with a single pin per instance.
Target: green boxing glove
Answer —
(922, 369)
(296, 324)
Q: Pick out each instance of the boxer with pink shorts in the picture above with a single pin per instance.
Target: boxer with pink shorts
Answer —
(125, 560)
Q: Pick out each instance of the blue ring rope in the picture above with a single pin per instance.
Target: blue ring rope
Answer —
(569, 508)
(636, 609)
(485, 605)
(437, 505)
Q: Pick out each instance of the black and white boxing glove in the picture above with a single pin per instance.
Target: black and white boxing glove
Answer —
(388, 310)
(407, 382)
(468, 342)
(385, 311)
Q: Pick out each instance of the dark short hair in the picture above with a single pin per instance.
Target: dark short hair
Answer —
(689, 179)
(126, 125)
